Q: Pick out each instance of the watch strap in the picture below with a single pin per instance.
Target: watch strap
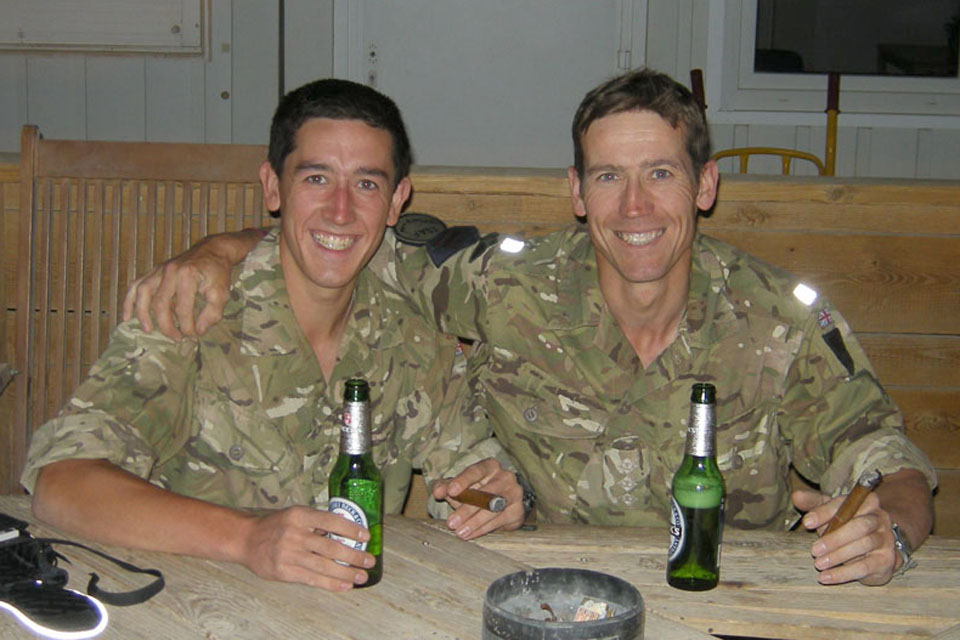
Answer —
(904, 548)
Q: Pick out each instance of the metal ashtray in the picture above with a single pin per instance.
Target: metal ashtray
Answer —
(513, 606)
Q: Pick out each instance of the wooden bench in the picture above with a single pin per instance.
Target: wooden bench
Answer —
(887, 253)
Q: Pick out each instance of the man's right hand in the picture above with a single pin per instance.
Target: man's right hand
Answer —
(292, 545)
(168, 293)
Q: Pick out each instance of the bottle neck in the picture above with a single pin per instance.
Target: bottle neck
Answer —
(355, 430)
(701, 431)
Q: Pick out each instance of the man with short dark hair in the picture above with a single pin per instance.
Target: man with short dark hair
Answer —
(221, 447)
(591, 338)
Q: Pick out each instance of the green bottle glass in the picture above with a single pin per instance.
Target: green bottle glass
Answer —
(696, 519)
(356, 488)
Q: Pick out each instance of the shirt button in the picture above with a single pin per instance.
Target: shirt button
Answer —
(530, 414)
(236, 452)
(736, 461)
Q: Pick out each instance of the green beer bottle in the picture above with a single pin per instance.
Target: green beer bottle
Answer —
(356, 489)
(696, 519)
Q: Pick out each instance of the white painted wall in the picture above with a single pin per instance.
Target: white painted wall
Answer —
(481, 83)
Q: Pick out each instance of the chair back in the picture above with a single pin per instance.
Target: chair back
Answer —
(94, 216)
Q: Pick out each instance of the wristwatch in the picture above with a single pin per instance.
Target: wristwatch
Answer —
(903, 547)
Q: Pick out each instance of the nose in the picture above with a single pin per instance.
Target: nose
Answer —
(636, 199)
(341, 210)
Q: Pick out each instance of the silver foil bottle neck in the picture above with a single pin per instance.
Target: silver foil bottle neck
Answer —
(701, 431)
(355, 430)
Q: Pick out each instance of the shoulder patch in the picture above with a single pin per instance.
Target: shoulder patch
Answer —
(417, 229)
(483, 244)
(450, 241)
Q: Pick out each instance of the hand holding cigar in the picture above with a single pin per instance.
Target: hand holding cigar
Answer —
(867, 483)
(482, 499)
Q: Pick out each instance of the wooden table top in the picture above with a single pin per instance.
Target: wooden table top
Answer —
(433, 587)
(768, 585)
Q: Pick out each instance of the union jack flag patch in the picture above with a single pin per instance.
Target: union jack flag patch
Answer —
(824, 319)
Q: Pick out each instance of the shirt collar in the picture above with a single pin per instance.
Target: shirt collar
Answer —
(709, 313)
(269, 327)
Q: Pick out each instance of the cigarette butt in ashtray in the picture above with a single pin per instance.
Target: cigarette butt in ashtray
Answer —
(868, 481)
(482, 499)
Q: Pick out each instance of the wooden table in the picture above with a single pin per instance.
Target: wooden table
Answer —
(433, 588)
(768, 585)
(434, 585)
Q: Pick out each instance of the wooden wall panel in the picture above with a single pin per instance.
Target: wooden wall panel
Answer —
(112, 114)
(56, 95)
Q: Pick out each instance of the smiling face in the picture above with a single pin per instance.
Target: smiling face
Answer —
(336, 198)
(640, 197)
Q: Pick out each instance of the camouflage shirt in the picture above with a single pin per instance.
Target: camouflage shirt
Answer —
(244, 417)
(599, 436)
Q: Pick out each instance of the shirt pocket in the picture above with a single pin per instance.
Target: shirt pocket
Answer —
(561, 440)
(232, 435)
(755, 465)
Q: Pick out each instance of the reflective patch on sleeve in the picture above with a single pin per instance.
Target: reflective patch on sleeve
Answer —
(805, 294)
(512, 245)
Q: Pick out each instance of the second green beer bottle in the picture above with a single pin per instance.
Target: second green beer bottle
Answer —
(696, 518)
(356, 488)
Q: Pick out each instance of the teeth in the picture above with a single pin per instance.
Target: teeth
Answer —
(638, 239)
(335, 243)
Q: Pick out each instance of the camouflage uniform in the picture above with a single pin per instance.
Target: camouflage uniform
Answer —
(245, 418)
(599, 437)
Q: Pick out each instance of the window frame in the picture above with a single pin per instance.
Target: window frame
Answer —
(736, 94)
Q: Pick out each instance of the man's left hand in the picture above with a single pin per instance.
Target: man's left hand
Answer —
(862, 549)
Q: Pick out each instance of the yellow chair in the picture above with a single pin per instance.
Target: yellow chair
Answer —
(826, 167)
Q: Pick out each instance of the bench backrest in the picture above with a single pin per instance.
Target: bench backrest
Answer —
(94, 215)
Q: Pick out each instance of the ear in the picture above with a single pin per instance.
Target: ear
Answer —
(707, 191)
(399, 198)
(579, 208)
(271, 187)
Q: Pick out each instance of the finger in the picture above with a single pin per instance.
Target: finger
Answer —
(845, 573)
(162, 303)
(129, 298)
(340, 550)
(440, 489)
(819, 516)
(210, 315)
(851, 546)
(326, 522)
(483, 523)
(873, 568)
(144, 293)
(476, 475)
(317, 571)
(185, 304)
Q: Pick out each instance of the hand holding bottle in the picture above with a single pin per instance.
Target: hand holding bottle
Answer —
(292, 545)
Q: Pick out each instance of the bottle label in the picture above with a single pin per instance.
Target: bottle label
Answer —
(353, 512)
(678, 532)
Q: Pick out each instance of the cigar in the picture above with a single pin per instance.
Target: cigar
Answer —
(482, 499)
(868, 481)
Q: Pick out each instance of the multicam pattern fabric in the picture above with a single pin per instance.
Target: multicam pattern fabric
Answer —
(599, 437)
(245, 418)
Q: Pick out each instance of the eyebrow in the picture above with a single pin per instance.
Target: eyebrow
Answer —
(364, 171)
(656, 162)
